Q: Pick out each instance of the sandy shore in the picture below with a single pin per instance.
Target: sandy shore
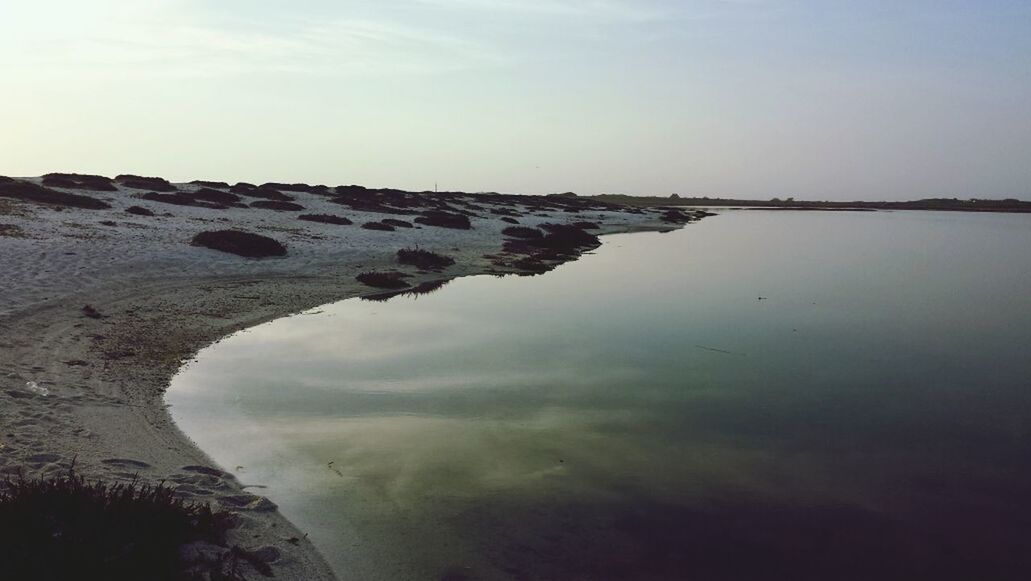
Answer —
(160, 300)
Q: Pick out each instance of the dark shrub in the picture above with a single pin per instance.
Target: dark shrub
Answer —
(524, 232)
(383, 279)
(30, 192)
(68, 528)
(378, 226)
(585, 225)
(214, 196)
(275, 205)
(240, 243)
(674, 216)
(444, 220)
(531, 265)
(508, 220)
(139, 211)
(145, 183)
(351, 189)
(207, 184)
(424, 259)
(242, 188)
(561, 237)
(181, 199)
(290, 187)
(79, 181)
(266, 194)
(397, 223)
(325, 219)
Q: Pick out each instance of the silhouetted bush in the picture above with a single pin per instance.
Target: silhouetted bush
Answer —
(585, 225)
(562, 237)
(531, 265)
(181, 199)
(68, 528)
(145, 183)
(383, 279)
(325, 219)
(240, 243)
(424, 259)
(523, 232)
(30, 192)
(214, 196)
(291, 187)
(275, 205)
(508, 220)
(378, 226)
(139, 211)
(675, 216)
(208, 184)
(265, 193)
(79, 181)
(397, 223)
(444, 220)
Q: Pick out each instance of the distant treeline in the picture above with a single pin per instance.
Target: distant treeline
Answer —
(946, 204)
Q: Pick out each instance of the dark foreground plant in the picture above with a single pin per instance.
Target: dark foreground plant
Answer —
(424, 259)
(69, 528)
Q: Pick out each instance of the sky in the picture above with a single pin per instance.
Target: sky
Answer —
(828, 99)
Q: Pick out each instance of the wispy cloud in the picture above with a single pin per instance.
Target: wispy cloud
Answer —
(608, 9)
(180, 47)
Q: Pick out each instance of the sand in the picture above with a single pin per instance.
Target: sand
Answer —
(160, 300)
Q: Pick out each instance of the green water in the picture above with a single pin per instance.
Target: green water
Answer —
(763, 395)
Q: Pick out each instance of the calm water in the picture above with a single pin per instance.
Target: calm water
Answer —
(643, 414)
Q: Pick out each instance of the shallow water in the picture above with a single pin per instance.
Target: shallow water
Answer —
(762, 395)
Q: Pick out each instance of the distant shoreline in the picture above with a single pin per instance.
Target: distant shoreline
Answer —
(936, 204)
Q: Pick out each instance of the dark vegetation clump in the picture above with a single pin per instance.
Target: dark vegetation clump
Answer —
(383, 279)
(508, 220)
(565, 238)
(397, 223)
(91, 312)
(532, 265)
(30, 192)
(139, 211)
(378, 226)
(444, 220)
(276, 205)
(145, 183)
(675, 216)
(294, 187)
(523, 232)
(215, 196)
(209, 184)
(182, 199)
(265, 193)
(68, 528)
(79, 182)
(424, 259)
(325, 219)
(240, 243)
(585, 225)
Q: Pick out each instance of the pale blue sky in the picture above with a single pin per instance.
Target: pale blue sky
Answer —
(833, 99)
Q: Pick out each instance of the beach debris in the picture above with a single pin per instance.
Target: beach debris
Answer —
(715, 350)
(335, 470)
(91, 312)
(37, 389)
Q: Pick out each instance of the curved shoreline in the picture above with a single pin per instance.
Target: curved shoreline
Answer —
(107, 376)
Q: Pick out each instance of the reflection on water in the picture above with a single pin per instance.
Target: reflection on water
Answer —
(764, 395)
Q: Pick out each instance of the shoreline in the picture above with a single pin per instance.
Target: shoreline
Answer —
(105, 412)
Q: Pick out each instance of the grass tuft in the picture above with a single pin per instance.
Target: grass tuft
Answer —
(424, 259)
(69, 528)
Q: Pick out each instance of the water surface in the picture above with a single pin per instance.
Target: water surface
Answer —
(763, 395)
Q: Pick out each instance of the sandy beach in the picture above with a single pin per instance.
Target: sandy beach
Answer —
(85, 385)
